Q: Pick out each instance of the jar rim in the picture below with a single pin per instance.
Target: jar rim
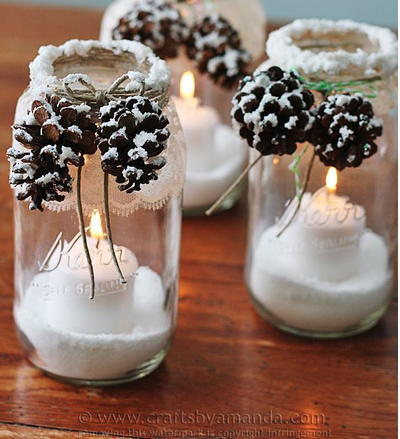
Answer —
(326, 47)
(42, 68)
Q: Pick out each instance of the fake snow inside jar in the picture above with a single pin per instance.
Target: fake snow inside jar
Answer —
(97, 166)
(321, 199)
(209, 46)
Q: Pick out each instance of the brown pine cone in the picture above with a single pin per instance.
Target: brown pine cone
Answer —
(217, 49)
(35, 175)
(132, 135)
(56, 133)
(271, 111)
(156, 24)
(56, 121)
(344, 131)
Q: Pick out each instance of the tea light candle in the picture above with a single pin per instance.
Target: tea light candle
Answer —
(326, 232)
(65, 279)
(215, 155)
(326, 271)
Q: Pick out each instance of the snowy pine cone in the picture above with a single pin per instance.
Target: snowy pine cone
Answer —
(344, 130)
(217, 49)
(156, 24)
(55, 134)
(132, 135)
(271, 111)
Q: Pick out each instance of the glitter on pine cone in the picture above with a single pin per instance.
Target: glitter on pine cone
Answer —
(344, 130)
(55, 133)
(132, 135)
(156, 24)
(271, 111)
(217, 49)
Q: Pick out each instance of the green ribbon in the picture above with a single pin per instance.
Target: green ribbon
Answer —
(364, 86)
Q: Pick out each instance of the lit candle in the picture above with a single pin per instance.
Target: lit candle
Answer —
(215, 155)
(326, 271)
(65, 278)
(326, 232)
(199, 123)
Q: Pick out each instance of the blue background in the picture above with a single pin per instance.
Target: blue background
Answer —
(381, 12)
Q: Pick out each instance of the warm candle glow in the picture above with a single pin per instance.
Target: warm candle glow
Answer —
(96, 231)
(187, 85)
(331, 180)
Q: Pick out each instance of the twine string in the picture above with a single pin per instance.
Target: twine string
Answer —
(90, 94)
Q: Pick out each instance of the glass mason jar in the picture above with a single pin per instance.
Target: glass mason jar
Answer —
(330, 273)
(215, 154)
(124, 332)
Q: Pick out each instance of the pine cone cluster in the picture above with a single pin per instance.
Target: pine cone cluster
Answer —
(217, 49)
(132, 135)
(271, 111)
(344, 131)
(156, 24)
(56, 133)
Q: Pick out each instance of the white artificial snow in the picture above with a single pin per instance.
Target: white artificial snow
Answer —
(24, 134)
(81, 108)
(213, 167)
(42, 67)
(131, 171)
(138, 152)
(66, 154)
(309, 303)
(111, 154)
(345, 133)
(283, 50)
(291, 123)
(99, 356)
(142, 138)
(47, 178)
(73, 78)
(75, 129)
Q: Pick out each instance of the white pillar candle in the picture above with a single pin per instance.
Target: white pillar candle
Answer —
(324, 238)
(326, 272)
(65, 284)
(199, 123)
(215, 154)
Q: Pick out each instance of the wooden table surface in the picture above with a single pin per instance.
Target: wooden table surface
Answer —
(228, 370)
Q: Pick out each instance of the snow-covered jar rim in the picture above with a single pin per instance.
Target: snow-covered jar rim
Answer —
(45, 68)
(102, 63)
(343, 48)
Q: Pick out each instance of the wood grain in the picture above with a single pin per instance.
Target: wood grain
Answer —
(225, 360)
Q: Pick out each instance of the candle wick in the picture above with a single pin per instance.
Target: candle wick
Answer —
(97, 243)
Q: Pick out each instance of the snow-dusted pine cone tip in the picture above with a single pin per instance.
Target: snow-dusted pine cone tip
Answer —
(54, 134)
(217, 49)
(132, 135)
(156, 24)
(271, 111)
(344, 130)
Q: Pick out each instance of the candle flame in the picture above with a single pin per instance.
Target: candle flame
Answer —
(331, 180)
(96, 230)
(187, 85)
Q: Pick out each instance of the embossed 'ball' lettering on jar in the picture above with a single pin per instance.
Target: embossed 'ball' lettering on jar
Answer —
(209, 46)
(322, 220)
(97, 165)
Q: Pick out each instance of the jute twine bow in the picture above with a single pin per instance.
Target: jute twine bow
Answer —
(98, 98)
